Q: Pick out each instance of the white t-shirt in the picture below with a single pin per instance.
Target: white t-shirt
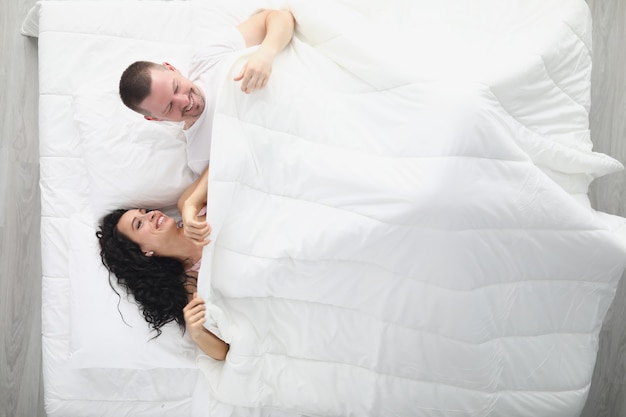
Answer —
(207, 72)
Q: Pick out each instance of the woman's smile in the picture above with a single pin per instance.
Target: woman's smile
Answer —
(160, 221)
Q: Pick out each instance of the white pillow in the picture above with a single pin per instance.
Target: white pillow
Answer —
(131, 162)
(107, 331)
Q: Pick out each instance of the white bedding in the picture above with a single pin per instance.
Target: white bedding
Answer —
(401, 225)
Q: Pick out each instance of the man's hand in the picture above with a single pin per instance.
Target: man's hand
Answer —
(272, 30)
(256, 71)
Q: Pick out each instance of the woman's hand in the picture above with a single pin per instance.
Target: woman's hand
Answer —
(192, 207)
(195, 225)
(194, 313)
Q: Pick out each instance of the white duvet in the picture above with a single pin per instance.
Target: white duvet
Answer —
(406, 236)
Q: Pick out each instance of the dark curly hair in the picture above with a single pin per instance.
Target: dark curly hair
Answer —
(158, 284)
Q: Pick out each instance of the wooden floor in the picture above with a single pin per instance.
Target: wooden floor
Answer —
(21, 390)
(607, 397)
(21, 393)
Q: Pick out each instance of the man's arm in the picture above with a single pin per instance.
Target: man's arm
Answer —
(272, 30)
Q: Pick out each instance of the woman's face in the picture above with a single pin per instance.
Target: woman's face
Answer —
(151, 230)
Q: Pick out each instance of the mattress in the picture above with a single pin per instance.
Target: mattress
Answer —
(401, 222)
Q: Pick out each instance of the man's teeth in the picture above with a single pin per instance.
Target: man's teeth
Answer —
(190, 104)
(160, 221)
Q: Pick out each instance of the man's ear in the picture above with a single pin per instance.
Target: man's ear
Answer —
(170, 66)
(152, 118)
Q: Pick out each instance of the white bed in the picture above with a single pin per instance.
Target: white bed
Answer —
(401, 221)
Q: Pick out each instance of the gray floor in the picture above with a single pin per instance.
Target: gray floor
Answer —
(21, 391)
(607, 397)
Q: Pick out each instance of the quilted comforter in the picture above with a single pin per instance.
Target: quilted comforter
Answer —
(400, 219)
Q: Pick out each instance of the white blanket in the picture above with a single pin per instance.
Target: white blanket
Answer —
(400, 219)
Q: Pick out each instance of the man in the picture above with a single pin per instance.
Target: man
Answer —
(161, 93)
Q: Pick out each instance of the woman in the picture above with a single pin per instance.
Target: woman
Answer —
(157, 262)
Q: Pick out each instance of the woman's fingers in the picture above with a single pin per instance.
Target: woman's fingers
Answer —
(193, 319)
(195, 310)
(195, 302)
(195, 225)
(194, 313)
(197, 230)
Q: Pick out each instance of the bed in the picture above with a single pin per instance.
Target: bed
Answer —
(401, 222)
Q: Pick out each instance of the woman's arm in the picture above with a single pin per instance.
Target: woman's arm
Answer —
(210, 344)
(196, 191)
(272, 30)
(190, 203)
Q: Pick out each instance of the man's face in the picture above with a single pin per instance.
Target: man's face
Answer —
(172, 97)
